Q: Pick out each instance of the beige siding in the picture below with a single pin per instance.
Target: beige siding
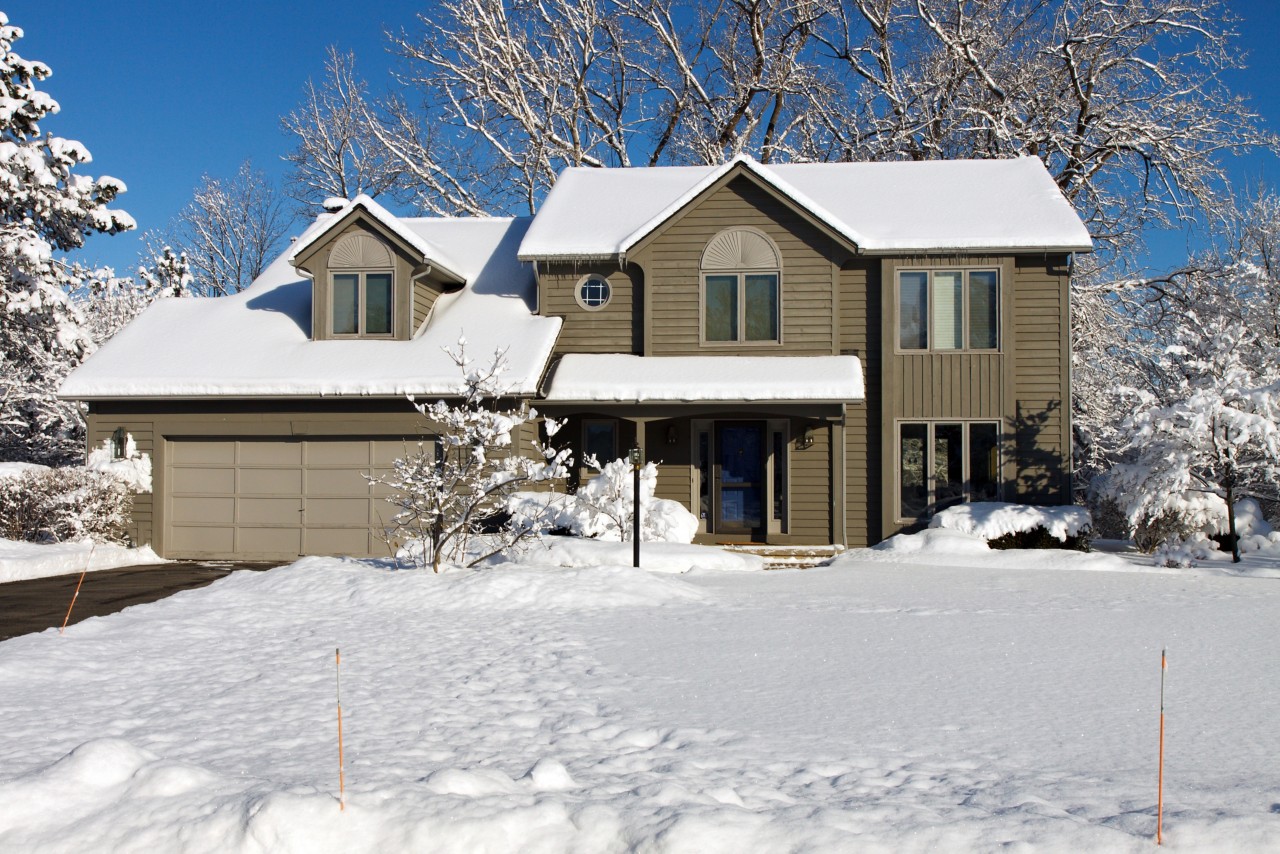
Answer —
(614, 328)
(316, 261)
(141, 524)
(1042, 392)
(810, 493)
(860, 302)
(671, 264)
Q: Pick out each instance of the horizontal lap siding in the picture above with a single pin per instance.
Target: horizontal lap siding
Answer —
(810, 492)
(140, 528)
(1042, 380)
(615, 328)
(672, 266)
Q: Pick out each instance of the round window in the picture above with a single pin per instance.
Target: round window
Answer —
(593, 292)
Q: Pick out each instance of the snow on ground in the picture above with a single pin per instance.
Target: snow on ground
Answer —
(20, 561)
(875, 705)
(655, 557)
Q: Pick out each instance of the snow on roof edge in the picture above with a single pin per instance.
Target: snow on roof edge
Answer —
(387, 219)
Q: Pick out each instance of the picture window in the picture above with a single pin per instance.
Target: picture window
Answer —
(942, 310)
(941, 464)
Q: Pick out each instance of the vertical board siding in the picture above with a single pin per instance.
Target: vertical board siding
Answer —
(1042, 390)
(672, 266)
(859, 331)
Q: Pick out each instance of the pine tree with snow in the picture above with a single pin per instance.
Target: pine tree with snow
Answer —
(44, 208)
(1214, 426)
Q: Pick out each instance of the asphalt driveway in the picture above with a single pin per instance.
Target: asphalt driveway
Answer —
(41, 603)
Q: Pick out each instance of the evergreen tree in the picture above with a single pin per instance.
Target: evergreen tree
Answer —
(44, 209)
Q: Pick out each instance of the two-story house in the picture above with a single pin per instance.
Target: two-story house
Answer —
(813, 353)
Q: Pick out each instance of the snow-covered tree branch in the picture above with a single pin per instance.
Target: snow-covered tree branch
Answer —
(450, 495)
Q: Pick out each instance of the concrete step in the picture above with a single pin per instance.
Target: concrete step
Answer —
(787, 557)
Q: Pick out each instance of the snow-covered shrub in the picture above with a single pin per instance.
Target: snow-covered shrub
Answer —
(61, 504)
(451, 495)
(604, 508)
(1019, 526)
(134, 468)
(1184, 551)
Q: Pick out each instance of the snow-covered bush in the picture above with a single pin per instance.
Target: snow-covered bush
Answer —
(134, 468)
(1018, 526)
(451, 495)
(61, 504)
(604, 508)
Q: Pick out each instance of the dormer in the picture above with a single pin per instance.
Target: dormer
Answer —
(371, 276)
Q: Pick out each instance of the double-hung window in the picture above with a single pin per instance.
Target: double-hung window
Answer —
(741, 289)
(944, 310)
(362, 304)
(740, 307)
(944, 463)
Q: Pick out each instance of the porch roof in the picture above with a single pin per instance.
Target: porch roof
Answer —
(621, 378)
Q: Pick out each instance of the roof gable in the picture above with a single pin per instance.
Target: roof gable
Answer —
(944, 205)
(397, 230)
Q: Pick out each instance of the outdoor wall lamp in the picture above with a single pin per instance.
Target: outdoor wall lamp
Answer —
(117, 444)
(806, 439)
(672, 435)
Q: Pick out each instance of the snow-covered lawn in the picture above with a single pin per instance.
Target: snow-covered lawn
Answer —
(20, 561)
(870, 706)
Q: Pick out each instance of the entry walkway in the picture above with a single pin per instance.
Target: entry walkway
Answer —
(41, 603)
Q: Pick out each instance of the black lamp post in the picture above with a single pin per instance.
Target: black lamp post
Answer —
(637, 460)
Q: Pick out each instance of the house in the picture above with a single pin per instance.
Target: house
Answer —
(814, 353)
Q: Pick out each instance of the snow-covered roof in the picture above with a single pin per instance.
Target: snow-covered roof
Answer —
(635, 379)
(428, 249)
(257, 342)
(939, 205)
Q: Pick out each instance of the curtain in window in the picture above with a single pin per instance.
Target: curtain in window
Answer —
(948, 310)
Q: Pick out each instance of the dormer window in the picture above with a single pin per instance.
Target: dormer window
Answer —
(362, 288)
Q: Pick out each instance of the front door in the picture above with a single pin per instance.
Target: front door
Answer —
(740, 478)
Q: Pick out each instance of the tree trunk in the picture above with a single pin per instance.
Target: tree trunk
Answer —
(1231, 522)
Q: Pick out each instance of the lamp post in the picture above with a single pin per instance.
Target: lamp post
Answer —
(637, 460)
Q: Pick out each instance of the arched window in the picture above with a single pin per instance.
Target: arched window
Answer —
(362, 294)
(741, 288)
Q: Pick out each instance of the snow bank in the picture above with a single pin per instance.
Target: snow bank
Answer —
(134, 468)
(949, 547)
(20, 561)
(993, 519)
(535, 709)
(19, 469)
(657, 557)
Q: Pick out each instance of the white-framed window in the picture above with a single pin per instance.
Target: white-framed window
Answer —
(593, 292)
(942, 310)
(941, 463)
(741, 289)
(361, 288)
(362, 304)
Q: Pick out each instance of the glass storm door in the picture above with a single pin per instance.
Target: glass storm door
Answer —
(740, 478)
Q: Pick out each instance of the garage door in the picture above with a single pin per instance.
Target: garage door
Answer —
(277, 498)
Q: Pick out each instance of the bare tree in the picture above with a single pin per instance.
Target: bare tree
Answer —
(230, 230)
(335, 153)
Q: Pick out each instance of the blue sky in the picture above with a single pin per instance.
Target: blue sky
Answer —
(164, 92)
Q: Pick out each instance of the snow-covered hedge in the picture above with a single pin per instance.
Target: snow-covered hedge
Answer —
(603, 506)
(62, 504)
(1010, 525)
